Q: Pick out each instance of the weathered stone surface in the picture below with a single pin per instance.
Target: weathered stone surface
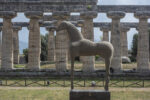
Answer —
(116, 14)
(88, 15)
(105, 30)
(61, 48)
(124, 41)
(80, 46)
(115, 39)
(0, 44)
(7, 40)
(89, 95)
(34, 14)
(96, 24)
(143, 42)
(142, 14)
(63, 15)
(88, 33)
(123, 8)
(51, 44)
(16, 44)
(7, 14)
(34, 40)
(48, 5)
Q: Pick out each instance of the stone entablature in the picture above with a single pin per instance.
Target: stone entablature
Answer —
(96, 24)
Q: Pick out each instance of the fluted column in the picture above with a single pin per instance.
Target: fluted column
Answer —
(124, 41)
(0, 44)
(61, 48)
(115, 39)
(105, 30)
(34, 40)
(88, 61)
(16, 44)
(7, 40)
(143, 41)
(51, 44)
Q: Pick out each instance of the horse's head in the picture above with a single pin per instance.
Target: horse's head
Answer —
(62, 26)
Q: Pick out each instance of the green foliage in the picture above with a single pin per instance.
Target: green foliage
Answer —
(134, 48)
(25, 52)
(44, 48)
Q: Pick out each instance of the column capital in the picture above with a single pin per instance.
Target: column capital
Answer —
(7, 14)
(80, 23)
(124, 29)
(34, 14)
(116, 14)
(88, 14)
(105, 28)
(50, 28)
(142, 14)
(17, 28)
(61, 15)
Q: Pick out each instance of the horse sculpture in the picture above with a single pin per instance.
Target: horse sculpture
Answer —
(82, 47)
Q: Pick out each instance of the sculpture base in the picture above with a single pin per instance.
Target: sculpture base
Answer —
(89, 95)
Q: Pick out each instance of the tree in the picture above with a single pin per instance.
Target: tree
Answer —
(25, 52)
(44, 49)
(134, 48)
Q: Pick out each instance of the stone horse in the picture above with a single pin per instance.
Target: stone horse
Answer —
(82, 47)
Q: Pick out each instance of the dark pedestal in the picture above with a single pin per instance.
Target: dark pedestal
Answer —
(89, 95)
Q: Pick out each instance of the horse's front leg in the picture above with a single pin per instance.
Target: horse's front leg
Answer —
(107, 64)
(72, 72)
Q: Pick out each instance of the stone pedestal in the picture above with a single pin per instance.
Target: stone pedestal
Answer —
(51, 44)
(124, 41)
(143, 41)
(88, 61)
(34, 40)
(16, 44)
(105, 30)
(89, 95)
(61, 48)
(115, 39)
(7, 40)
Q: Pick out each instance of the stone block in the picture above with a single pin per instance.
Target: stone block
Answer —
(89, 95)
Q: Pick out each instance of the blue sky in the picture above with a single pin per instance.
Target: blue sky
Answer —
(23, 34)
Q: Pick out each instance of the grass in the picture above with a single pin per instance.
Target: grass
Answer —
(7, 93)
(78, 65)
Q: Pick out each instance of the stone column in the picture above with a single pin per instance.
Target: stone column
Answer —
(0, 44)
(34, 40)
(7, 40)
(88, 61)
(143, 41)
(124, 41)
(16, 44)
(115, 39)
(61, 48)
(51, 44)
(105, 30)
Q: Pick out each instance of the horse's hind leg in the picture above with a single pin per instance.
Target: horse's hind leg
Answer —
(107, 64)
(72, 72)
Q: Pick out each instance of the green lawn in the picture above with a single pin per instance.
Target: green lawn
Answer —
(78, 65)
(37, 93)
